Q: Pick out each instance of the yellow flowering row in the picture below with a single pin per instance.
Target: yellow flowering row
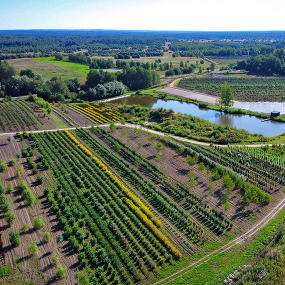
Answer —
(93, 115)
(89, 115)
(96, 114)
(157, 232)
(114, 115)
(101, 109)
(114, 178)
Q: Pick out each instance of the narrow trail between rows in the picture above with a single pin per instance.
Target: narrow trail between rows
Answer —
(133, 126)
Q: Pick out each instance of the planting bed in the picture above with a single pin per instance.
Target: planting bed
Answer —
(98, 113)
(249, 89)
(38, 269)
(175, 166)
(20, 115)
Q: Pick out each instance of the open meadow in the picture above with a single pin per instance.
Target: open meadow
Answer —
(46, 68)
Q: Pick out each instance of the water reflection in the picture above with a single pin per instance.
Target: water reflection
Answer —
(249, 123)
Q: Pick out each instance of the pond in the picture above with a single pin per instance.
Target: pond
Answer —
(249, 123)
(261, 107)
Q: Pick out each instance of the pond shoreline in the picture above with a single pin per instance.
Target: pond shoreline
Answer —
(233, 118)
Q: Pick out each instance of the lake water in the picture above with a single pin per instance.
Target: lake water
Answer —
(261, 107)
(249, 123)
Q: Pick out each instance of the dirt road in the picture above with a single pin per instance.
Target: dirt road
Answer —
(133, 126)
(188, 94)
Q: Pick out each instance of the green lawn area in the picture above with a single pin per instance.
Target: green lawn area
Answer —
(59, 123)
(83, 69)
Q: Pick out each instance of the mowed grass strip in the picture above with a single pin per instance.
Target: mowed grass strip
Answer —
(80, 68)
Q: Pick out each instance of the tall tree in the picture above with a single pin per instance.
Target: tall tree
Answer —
(226, 96)
(6, 71)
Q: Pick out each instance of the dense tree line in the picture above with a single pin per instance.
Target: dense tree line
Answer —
(99, 84)
(269, 64)
(224, 48)
(135, 44)
(96, 42)
(180, 70)
(138, 78)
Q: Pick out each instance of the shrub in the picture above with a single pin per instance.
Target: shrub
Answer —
(10, 188)
(2, 188)
(159, 147)
(3, 166)
(33, 249)
(14, 238)
(117, 147)
(192, 179)
(46, 236)
(192, 160)
(10, 218)
(38, 223)
(230, 185)
(112, 127)
(60, 272)
(40, 180)
(25, 228)
(12, 162)
(6, 271)
(180, 149)
(201, 166)
(19, 171)
(227, 206)
(55, 259)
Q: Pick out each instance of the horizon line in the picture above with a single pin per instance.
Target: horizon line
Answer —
(140, 30)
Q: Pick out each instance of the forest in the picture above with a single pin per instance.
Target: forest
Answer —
(269, 64)
(143, 43)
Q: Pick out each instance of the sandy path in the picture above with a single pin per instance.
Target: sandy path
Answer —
(188, 94)
(133, 126)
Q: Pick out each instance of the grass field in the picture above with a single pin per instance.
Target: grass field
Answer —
(76, 67)
(59, 123)
(46, 70)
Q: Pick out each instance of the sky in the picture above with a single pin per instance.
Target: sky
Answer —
(185, 15)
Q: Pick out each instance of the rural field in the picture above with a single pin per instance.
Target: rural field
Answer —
(115, 204)
(252, 89)
(48, 68)
(119, 166)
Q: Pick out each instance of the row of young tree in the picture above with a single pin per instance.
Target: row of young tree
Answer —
(101, 63)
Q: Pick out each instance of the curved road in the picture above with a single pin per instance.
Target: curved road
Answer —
(133, 126)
